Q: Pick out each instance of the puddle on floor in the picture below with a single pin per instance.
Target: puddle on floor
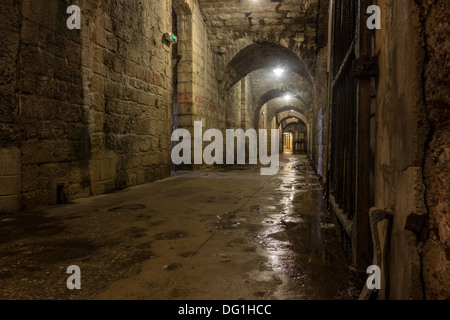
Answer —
(300, 242)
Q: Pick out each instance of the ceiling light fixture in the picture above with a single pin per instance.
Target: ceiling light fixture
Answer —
(278, 72)
(287, 97)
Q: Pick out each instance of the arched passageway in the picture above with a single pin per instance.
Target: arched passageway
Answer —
(132, 135)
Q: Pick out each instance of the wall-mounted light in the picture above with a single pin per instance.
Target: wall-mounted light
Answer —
(170, 38)
(287, 97)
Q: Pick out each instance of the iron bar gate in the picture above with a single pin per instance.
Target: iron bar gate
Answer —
(349, 155)
(344, 109)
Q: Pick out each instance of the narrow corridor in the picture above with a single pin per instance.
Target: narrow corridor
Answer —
(117, 117)
(227, 233)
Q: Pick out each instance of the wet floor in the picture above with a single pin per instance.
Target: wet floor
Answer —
(300, 239)
(224, 233)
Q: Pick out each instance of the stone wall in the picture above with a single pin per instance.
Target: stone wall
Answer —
(88, 109)
(11, 177)
(128, 85)
(436, 252)
(411, 161)
(400, 139)
(411, 142)
(198, 93)
(233, 106)
(10, 160)
(53, 120)
(320, 115)
(198, 87)
(240, 107)
(248, 106)
(205, 88)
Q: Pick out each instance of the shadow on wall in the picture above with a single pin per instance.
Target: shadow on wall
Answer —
(52, 148)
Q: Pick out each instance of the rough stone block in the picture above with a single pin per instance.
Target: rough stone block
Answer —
(10, 162)
(10, 185)
(9, 204)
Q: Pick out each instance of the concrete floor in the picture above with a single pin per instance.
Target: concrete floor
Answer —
(224, 233)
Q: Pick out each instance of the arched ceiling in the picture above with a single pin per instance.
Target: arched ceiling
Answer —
(289, 114)
(278, 105)
(251, 38)
(267, 86)
(294, 24)
(283, 114)
(267, 56)
(291, 120)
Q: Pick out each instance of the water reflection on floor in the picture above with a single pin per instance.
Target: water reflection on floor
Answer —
(299, 238)
(225, 233)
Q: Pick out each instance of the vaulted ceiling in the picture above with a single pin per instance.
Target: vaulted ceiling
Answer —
(251, 37)
(295, 24)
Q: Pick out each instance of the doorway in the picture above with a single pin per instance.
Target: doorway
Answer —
(288, 143)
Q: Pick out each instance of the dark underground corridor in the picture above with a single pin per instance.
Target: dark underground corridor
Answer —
(224, 150)
(230, 234)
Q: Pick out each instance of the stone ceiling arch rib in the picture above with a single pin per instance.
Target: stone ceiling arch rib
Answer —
(273, 110)
(278, 93)
(261, 55)
(299, 25)
(290, 117)
(287, 112)
(182, 7)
